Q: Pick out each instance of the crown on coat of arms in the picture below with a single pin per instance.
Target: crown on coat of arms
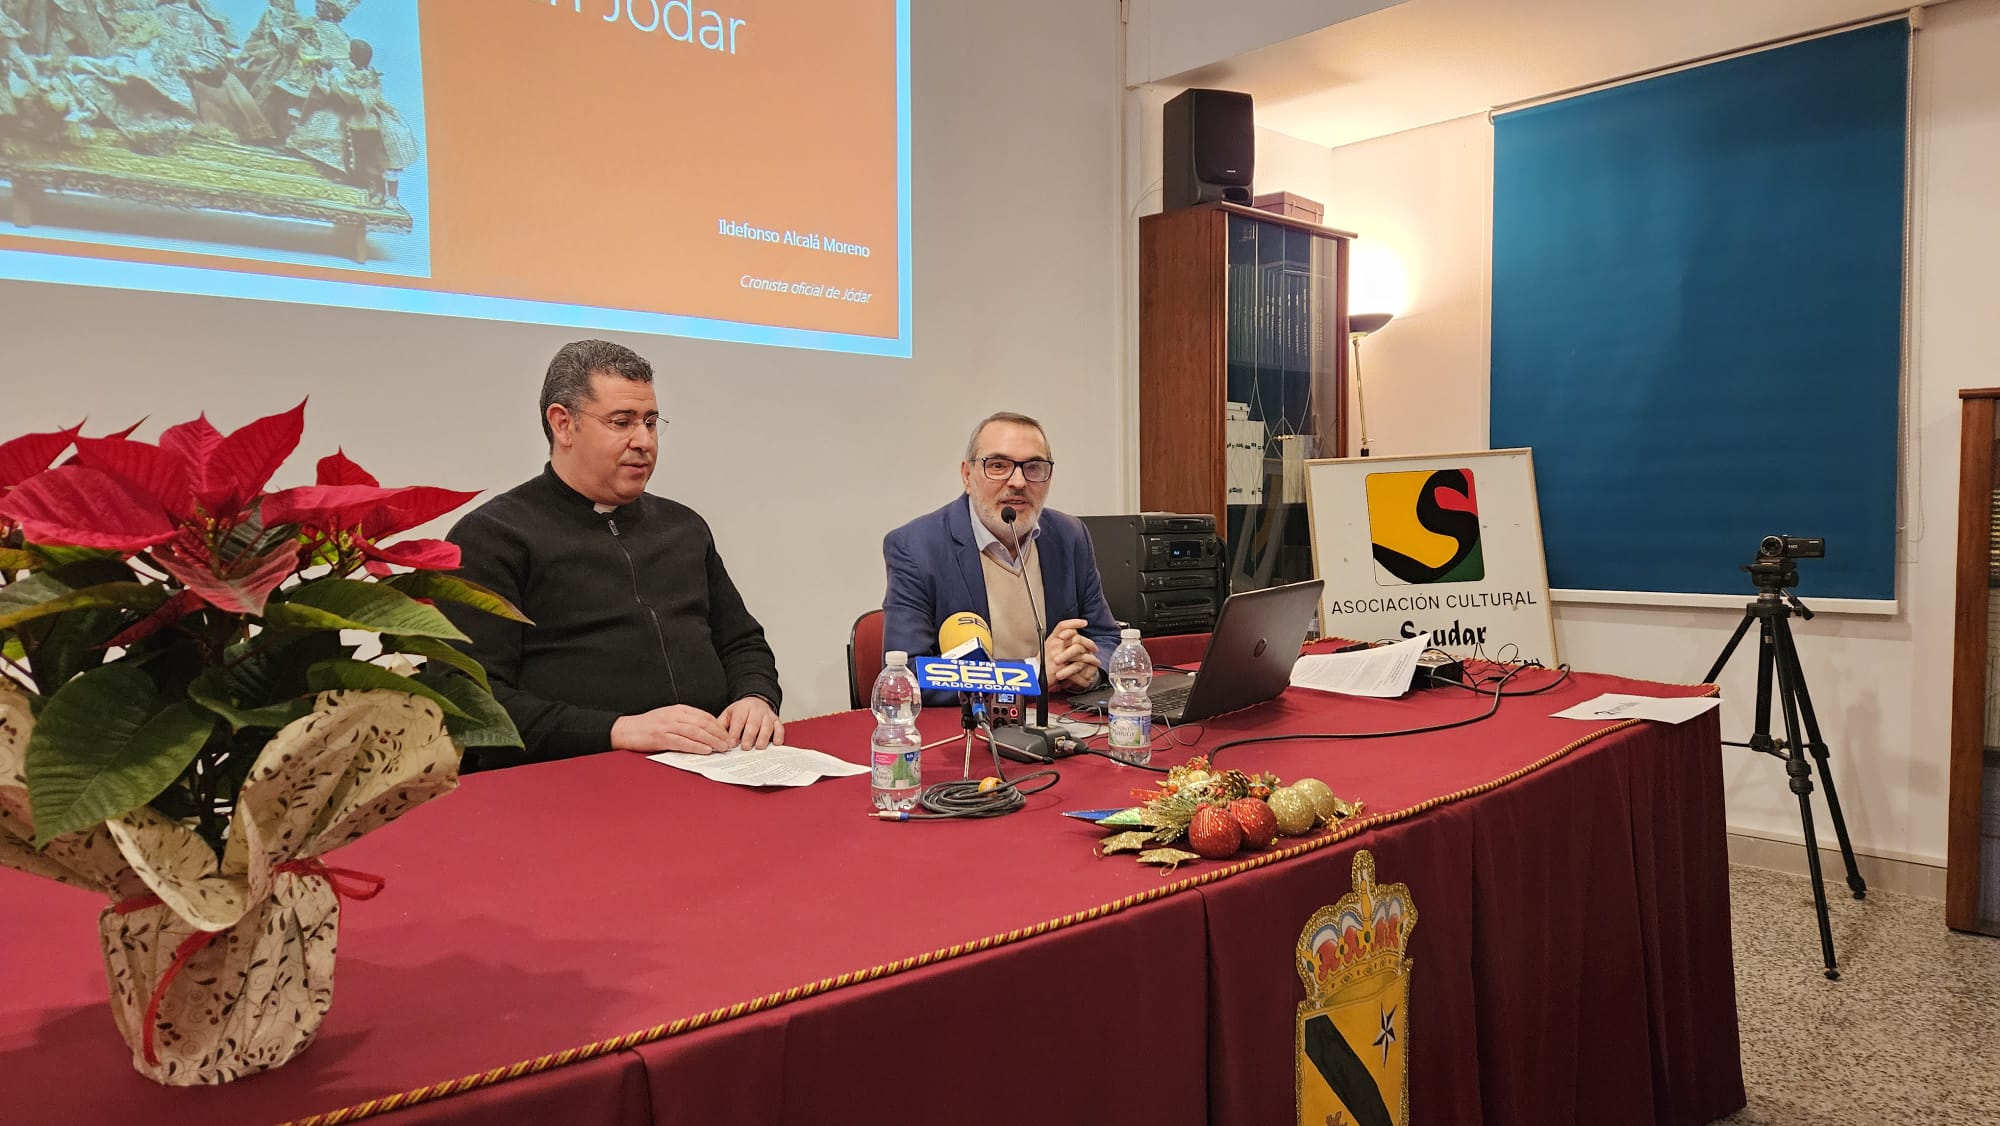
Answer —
(1358, 939)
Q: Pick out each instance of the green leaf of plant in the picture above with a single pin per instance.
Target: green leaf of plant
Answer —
(103, 747)
(211, 691)
(343, 673)
(354, 604)
(67, 644)
(442, 652)
(451, 588)
(62, 554)
(270, 667)
(15, 609)
(486, 723)
(18, 559)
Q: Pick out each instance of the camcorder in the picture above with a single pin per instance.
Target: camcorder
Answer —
(1792, 547)
(1775, 568)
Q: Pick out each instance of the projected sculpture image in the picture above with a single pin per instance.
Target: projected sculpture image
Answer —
(158, 103)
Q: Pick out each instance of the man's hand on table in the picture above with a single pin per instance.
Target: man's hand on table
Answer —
(1071, 656)
(674, 728)
(752, 724)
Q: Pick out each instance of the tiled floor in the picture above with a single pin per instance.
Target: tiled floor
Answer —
(1909, 1034)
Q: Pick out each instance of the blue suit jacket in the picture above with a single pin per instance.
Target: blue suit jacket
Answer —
(934, 572)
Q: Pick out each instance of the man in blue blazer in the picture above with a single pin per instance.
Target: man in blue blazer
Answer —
(962, 558)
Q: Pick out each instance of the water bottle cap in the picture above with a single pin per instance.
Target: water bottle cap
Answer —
(895, 657)
(1128, 635)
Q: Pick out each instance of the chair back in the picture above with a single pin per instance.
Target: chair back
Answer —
(864, 658)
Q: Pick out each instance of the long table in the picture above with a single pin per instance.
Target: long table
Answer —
(610, 940)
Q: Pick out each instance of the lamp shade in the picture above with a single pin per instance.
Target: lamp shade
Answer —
(1361, 324)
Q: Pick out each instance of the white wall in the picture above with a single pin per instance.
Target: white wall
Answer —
(1881, 686)
(1426, 198)
(800, 460)
(1168, 37)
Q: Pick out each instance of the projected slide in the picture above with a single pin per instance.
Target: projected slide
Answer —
(725, 169)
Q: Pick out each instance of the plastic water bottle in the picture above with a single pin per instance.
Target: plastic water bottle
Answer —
(1131, 708)
(896, 758)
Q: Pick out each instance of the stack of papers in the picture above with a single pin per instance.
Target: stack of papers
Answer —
(1665, 709)
(1383, 671)
(775, 765)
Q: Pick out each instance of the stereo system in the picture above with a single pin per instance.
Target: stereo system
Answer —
(1162, 571)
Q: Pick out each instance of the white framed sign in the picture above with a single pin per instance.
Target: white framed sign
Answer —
(1445, 544)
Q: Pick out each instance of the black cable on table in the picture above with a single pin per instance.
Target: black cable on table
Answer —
(962, 798)
(1216, 751)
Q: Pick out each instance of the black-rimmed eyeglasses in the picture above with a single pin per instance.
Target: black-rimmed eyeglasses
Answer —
(1035, 470)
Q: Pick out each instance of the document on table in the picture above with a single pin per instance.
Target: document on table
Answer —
(1382, 671)
(775, 765)
(1666, 709)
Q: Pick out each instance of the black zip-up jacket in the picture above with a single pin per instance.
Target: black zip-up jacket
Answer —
(632, 611)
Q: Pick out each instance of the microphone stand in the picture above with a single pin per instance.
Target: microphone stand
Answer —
(1041, 631)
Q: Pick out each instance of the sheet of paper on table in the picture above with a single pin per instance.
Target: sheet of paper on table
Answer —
(1383, 671)
(1666, 709)
(776, 765)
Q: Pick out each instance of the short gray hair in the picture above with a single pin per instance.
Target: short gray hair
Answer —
(568, 379)
(972, 443)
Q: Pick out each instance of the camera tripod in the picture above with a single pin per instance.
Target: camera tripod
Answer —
(1778, 661)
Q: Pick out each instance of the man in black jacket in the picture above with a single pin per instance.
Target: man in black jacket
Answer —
(640, 642)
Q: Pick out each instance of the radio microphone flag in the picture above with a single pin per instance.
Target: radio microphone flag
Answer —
(946, 674)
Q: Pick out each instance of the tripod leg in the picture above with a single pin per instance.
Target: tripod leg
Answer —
(1742, 627)
(1799, 769)
(1789, 654)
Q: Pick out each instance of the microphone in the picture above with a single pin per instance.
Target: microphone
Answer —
(958, 629)
(966, 666)
(966, 637)
(1007, 517)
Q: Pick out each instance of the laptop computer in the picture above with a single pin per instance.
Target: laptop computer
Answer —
(1248, 661)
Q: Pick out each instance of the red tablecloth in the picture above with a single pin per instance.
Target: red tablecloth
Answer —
(712, 953)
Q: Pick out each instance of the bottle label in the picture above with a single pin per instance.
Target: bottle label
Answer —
(894, 769)
(1131, 731)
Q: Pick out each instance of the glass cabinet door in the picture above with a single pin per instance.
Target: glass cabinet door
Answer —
(1989, 773)
(1283, 405)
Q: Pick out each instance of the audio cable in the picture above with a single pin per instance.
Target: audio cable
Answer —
(966, 798)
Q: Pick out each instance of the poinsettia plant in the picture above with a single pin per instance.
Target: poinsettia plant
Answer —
(165, 613)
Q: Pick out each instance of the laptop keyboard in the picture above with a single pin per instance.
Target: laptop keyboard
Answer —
(1173, 700)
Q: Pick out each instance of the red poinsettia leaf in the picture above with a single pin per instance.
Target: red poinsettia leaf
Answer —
(152, 470)
(29, 454)
(180, 605)
(240, 588)
(85, 507)
(337, 468)
(377, 568)
(323, 506)
(424, 555)
(194, 443)
(409, 507)
(243, 462)
(127, 432)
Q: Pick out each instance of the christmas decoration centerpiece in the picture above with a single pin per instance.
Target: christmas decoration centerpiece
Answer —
(187, 725)
(1218, 813)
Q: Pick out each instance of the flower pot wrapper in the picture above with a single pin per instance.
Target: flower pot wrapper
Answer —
(224, 968)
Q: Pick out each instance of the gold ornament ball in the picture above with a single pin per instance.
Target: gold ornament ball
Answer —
(1321, 796)
(1294, 811)
(988, 783)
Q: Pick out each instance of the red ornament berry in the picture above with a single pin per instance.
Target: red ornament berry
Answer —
(1214, 833)
(1260, 825)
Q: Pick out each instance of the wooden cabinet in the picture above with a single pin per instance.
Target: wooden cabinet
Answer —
(1972, 859)
(1242, 375)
